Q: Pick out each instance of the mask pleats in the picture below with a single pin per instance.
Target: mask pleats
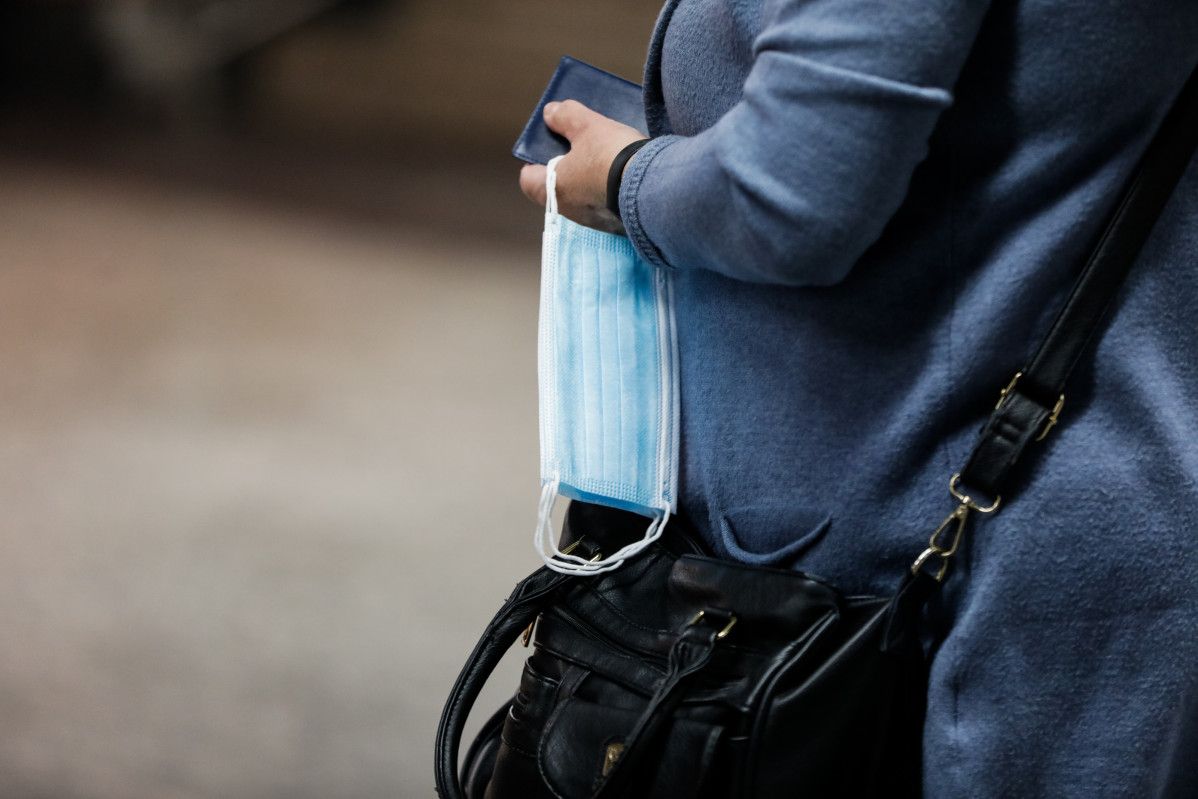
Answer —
(629, 347)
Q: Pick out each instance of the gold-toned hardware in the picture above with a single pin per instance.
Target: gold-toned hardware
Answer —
(722, 634)
(957, 519)
(917, 566)
(966, 500)
(1053, 417)
(526, 639)
(960, 516)
(570, 549)
(612, 756)
(1010, 387)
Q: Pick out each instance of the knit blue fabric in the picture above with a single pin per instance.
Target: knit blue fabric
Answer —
(874, 210)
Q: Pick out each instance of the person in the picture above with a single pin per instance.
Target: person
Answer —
(871, 213)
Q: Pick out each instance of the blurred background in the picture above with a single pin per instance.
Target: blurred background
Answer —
(268, 444)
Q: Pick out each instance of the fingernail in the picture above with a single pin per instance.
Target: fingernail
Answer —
(551, 107)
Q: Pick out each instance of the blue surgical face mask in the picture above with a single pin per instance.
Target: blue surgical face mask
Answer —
(608, 377)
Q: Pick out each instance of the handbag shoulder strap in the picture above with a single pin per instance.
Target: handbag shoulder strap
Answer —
(1030, 405)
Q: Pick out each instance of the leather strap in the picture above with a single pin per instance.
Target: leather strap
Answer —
(689, 655)
(1030, 404)
(529, 598)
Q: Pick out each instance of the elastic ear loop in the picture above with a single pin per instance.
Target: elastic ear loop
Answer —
(551, 186)
(562, 563)
(544, 539)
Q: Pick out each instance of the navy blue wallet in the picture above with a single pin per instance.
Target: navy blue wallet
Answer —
(598, 90)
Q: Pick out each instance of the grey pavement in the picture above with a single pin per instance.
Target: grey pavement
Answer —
(266, 469)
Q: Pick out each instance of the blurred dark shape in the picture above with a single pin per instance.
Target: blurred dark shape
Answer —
(400, 111)
(177, 61)
(49, 55)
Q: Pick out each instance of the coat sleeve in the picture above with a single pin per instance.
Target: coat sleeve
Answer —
(798, 178)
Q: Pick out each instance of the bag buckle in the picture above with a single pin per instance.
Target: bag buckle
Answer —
(590, 548)
(722, 634)
(1053, 417)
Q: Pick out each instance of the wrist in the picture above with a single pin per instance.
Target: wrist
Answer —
(615, 174)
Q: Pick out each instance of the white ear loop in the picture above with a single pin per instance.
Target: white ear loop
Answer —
(560, 562)
(551, 186)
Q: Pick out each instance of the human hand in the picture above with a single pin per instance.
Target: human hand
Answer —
(595, 140)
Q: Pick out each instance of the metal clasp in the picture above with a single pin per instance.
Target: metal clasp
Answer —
(1053, 417)
(936, 549)
(957, 520)
(611, 756)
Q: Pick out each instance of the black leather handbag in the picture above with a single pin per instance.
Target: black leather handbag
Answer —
(679, 676)
(683, 676)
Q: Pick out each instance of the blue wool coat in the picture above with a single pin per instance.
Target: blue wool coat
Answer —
(872, 211)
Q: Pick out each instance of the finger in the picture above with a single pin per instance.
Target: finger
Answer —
(532, 182)
(568, 118)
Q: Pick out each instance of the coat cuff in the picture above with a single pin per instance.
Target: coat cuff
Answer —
(630, 210)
